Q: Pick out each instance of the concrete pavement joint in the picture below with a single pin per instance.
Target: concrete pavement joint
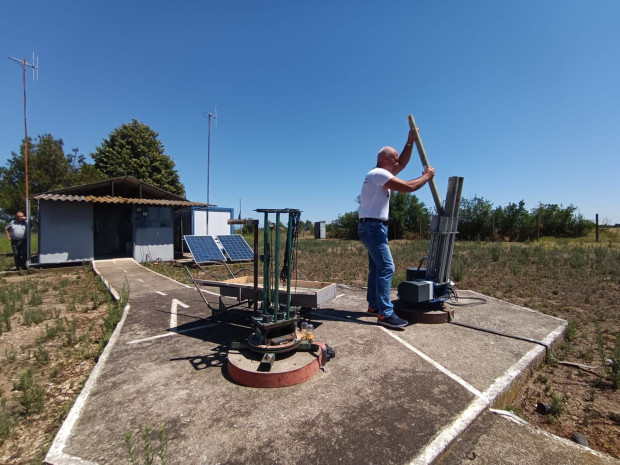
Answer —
(446, 436)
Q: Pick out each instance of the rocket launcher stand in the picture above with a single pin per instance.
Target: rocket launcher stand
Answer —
(419, 298)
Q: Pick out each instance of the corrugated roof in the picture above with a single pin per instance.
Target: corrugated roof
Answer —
(118, 200)
(122, 186)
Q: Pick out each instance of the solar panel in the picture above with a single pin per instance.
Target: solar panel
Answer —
(204, 249)
(236, 247)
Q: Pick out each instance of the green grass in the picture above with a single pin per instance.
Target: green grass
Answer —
(6, 252)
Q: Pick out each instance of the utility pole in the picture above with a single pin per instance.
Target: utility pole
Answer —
(24, 64)
(209, 115)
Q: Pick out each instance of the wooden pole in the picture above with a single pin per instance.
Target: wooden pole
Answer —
(426, 164)
(597, 227)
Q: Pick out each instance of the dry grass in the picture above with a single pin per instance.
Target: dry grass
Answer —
(51, 333)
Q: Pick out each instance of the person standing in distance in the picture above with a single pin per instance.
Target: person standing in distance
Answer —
(373, 230)
(16, 233)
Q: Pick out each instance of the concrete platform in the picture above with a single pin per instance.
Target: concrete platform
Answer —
(388, 397)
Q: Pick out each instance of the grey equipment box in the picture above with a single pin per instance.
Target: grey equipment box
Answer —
(415, 291)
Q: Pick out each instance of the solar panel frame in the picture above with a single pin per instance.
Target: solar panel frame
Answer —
(204, 249)
(236, 247)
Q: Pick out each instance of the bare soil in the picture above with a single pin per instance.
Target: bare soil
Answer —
(60, 359)
(587, 402)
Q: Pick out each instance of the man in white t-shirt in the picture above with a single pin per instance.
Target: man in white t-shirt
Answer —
(372, 228)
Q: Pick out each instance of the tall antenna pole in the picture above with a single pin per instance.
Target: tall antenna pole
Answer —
(34, 67)
(209, 115)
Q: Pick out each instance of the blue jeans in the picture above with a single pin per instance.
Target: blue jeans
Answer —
(380, 266)
(19, 253)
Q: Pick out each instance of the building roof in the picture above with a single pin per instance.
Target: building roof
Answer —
(123, 200)
(120, 190)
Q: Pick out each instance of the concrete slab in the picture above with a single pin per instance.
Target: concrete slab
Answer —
(389, 397)
(499, 439)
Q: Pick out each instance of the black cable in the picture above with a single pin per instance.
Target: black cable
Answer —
(295, 235)
(454, 296)
(499, 333)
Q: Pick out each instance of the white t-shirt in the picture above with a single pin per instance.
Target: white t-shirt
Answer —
(375, 199)
(17, 230)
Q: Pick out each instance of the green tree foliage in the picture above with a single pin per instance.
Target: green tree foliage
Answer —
(409, 218)
(479, 221)
(49, 168)
(134, 149)
(553, 220)
(475, 219)
(514, 223)
(344, 227)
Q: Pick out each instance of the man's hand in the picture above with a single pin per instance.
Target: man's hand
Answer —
(412, 137)
(429, 172)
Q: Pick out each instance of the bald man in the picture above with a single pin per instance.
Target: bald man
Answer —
(16, 233)
(372, 228)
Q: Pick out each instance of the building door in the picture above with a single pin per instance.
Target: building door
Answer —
(113, 231)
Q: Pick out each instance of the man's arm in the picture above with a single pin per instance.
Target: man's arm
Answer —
(6, 231)
(405, 155)
(400, 185)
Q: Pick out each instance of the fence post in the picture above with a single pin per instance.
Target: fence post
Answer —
(597, 228)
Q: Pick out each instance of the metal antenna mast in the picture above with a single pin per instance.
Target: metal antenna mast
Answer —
(35, 67)
(209, 115)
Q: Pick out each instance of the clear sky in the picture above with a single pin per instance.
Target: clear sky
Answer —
(521, 98)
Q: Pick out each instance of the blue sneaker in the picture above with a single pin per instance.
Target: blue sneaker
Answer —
(392, 321)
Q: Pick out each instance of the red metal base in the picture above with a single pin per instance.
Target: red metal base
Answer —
(296, 368)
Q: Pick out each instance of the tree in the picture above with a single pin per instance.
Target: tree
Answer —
(49, 168)
(514, 222)
(560, 222)
(475, 219)
(409, 217)
(133, 149)
(345, 226)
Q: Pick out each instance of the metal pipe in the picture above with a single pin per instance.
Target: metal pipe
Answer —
(255, 226)
(266, 259)
(276, 280)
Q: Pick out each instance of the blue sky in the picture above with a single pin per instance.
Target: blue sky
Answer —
(522, 99)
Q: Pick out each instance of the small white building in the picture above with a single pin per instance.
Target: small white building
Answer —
(118, 217)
